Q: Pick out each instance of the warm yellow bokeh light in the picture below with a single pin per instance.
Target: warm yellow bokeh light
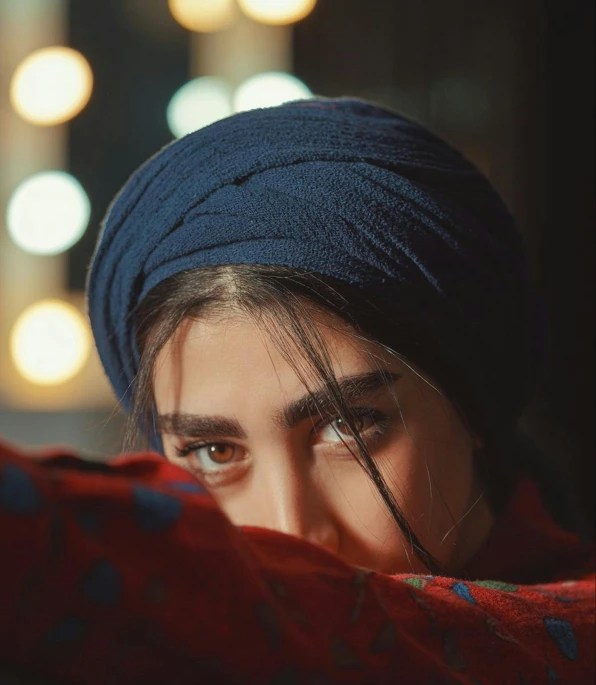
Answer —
(50, 342)
(47, 213)
(51, 86)
(277, 11)
(205, 16)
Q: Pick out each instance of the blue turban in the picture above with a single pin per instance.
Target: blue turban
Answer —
(345, 189)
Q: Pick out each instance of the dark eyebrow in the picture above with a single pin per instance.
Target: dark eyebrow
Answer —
(353, 388)
(320, 401)
(198, 425)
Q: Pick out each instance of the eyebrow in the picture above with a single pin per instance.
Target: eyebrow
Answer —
(353, 388)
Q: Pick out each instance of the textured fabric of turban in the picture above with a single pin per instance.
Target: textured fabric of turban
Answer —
(345, 189)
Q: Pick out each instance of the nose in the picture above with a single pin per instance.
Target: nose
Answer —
(296, 506)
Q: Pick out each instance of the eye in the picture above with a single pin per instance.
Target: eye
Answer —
(338, 431)
(211, 456)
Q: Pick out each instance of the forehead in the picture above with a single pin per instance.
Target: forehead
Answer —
(211, 364)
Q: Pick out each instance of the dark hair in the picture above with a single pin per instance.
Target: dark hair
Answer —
(282, 301)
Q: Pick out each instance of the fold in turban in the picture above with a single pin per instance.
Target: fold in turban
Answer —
(345, 189)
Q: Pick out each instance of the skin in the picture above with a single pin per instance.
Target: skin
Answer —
(297, 476)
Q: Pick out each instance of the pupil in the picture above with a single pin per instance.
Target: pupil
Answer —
(220, 453)
(345, 429)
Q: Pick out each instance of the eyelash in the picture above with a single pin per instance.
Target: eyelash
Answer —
(378, 428)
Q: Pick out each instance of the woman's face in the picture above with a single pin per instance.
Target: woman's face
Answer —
(234, 412)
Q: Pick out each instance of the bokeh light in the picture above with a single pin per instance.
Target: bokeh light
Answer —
(47, 213)
(50, 342)
(199, 103)
(268, 90)
(205, 16)
(277, 11)
(51, 86)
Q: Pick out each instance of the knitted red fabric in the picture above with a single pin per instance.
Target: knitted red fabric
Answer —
(129, 573)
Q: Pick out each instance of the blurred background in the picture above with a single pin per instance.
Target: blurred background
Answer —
(90, 88)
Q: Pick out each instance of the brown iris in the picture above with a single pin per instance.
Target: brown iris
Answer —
(359, 424)
(220, 453)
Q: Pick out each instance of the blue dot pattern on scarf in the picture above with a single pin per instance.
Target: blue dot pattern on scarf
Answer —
(68, 629)
(463, 591)
(89, 520)
(454, 655)
(183, 486)
(551, 675)
(18, 493)
(563, 635)
(155, 511)
(102, 584)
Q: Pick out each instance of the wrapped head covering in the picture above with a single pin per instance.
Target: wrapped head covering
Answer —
(345, 189)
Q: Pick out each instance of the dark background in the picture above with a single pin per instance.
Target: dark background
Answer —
(510, 83)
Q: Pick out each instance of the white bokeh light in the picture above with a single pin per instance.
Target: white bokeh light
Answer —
(205, 16)
(47, 213)
(50, 342)
(199, 103)
(277, 11)
(51, 86)
(268, 90)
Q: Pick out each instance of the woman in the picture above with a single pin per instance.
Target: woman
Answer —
(322, 313)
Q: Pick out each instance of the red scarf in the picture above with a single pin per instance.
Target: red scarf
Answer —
(129, 573)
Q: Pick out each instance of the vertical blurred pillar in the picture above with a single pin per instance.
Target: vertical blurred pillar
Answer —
(244, 49)
(25, 26)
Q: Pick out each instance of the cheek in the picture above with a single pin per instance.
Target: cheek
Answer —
(406, 475)
(354, 498)
(435, 501)
(433, 461)
(370, 537)
(431, 479)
